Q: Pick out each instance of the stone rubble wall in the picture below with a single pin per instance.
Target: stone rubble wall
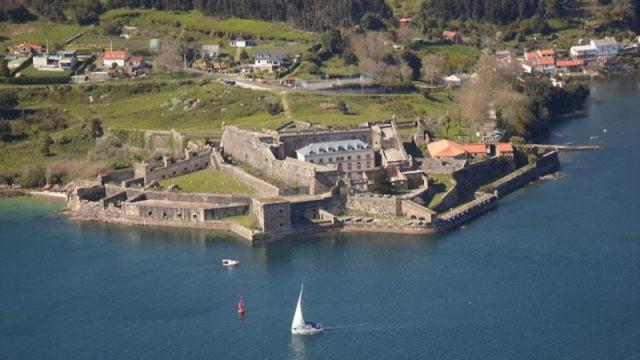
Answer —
(547, 164)
(195, 162)
(386, 205)
(413, 210)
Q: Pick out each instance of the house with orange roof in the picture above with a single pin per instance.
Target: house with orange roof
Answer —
(452, 36)
(405, 21)
(119, 58)
(448, 149)
(570, 66)
(26, 49)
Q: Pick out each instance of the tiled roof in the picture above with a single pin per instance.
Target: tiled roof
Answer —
(504, 147)
(445, 148)
(115, 55)
(547, 52)
(546, 61)
(569, 63)
(332, 147)
(475, 148)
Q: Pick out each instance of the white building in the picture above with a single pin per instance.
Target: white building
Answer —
(583, 52)
(60, 61)
(210, 51)
(268, 60)
(597, 48)
(119, 58)
(347, 155)
(242, 43)
(606, 47)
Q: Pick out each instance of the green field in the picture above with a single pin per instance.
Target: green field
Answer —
(459, 58)
(37, 32)
(165, 23)
(208, 181)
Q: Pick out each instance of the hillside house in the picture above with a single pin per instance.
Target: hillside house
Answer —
(451, 150)
(270, 61)
(597, 48)
(453, 36)
(60, 61)
(405, 21)
(119, 58)
(25, 49)
(210, 51)
(241, 43)
(569, 66)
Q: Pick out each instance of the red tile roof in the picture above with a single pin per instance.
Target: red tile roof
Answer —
(449, 34)
(547, 52)
(475, 148)
(546, 61)
(569, 63)
(404, 20)
(445, 148)
(115, 55)
(531, 55)
(504, 148)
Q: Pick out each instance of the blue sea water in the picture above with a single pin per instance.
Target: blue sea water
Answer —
(552, 273)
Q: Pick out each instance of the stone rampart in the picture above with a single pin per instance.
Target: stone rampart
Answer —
(115, 199)
(191, 197)
(194, 161)
(448, 200)
(473, 176)
(416, 211)
(547, 164)
(466, 212)
(115, 176)
(386, 205)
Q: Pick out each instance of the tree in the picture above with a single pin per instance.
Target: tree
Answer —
(433, 66)
(4, 68)
(87, 12)
(5, 131)
(371, 21)
(8, 100)
(244, 56)
(168, 58)
(333, 41)
(96, 128)
(45, 145)
(382, 182)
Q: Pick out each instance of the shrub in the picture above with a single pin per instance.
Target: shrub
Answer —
(273, 108)
(33, 177)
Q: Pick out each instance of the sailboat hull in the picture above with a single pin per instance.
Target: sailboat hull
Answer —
(307, 329)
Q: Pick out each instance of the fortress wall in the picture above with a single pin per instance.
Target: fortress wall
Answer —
(195, 162)
(473, 176)
(547, 164)
(191, 197)
(388, 205)
(413, 210)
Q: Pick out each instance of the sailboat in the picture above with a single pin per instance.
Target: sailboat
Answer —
(301, 327)
(241, 307)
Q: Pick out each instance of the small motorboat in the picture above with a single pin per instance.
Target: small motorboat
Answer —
(241, 307)
(230, 262)
(301, 327)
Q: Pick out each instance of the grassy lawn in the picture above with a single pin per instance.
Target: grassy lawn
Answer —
(323, 108)
(247, 221)
(37, 32)
(440, 185)
(460, 58)
(208, 181)
(30, 71)
(166, 23)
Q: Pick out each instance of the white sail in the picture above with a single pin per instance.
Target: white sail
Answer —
(298, 320)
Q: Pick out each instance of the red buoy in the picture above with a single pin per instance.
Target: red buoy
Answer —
(241, 307)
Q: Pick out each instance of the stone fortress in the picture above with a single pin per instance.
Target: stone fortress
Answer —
(293, 195)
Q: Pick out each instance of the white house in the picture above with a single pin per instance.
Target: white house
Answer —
(606, 47)
(347, 155)
(60, 61)
(584, 52)
(268, 60)
(242, 43)
(210, 51)
(119, 58)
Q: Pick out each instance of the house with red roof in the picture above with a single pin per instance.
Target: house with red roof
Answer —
(26, 49)
(452, 36)
(570, 66)
(119, 58)
(405, 21)
(447, 149)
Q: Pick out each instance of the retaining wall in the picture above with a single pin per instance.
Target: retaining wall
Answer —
(547, 164)
(388, 205)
